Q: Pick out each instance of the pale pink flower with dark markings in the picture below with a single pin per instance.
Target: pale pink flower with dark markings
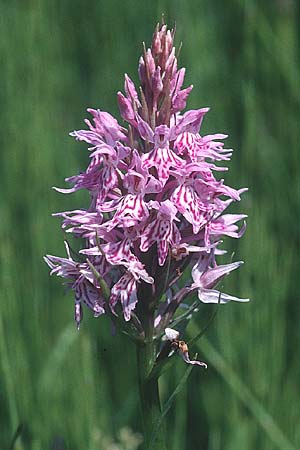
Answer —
(156, 204)
(206, 278)
(161, 157)
(81, 281)
(105, 129)
(124, 290)
(196, 210)
(161, 230)
(198, 148)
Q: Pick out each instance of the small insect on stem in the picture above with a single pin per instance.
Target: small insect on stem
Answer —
(178, 272)
(181, 347)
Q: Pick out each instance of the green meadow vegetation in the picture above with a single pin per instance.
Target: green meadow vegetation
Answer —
(64, 390)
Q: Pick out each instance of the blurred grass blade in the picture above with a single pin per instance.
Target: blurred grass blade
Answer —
(16, 436)
(58, 444)
(239, 388)
(210, 321)
(57, 356)
(8, 377)
(168, 406)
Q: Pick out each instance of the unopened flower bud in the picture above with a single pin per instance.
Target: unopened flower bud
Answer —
(157, 84)
(156, 43)
(130, 90)
(125, 106)
(179, 101)
(142, 70)
(169, 41)
(150, 63)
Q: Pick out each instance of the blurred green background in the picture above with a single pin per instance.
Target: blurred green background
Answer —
(78, 391)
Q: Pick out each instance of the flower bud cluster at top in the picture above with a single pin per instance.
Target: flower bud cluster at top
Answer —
(156, 206)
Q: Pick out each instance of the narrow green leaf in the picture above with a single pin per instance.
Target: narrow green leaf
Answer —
(105, 289)
(168, 406)
(17, 434)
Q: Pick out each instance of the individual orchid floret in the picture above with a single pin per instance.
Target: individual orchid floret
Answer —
(80, 223)
(190, 121)
(161, 158)
(131, 92)
(195, 209)
(181, 347)
(137, 269)
(179, 96)
(198, 148)
(205, 278)
(126, 109)
(130, 104)
(161, 230)
(126, 288)
(101, 175)
(105, 129)
(129, 211)
(225, 225)
(81, 281)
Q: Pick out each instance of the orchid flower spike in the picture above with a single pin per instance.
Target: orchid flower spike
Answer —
(156, 203)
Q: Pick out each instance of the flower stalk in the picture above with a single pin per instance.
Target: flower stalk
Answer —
(149, 394)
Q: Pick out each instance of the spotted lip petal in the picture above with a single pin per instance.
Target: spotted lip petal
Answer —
(191, 207)
(125, 290)
(161, 230)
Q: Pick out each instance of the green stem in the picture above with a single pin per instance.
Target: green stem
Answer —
(149, 393)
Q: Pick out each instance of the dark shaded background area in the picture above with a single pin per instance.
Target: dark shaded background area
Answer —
(79, 389)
